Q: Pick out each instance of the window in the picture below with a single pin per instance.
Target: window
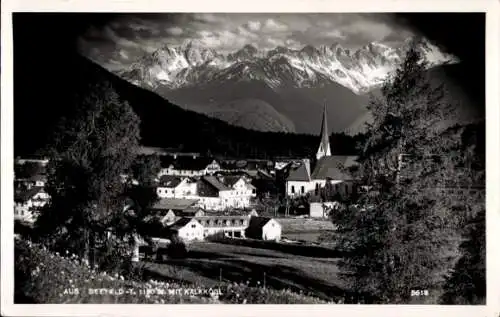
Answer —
(193, 226)
(302, 189)
(293, 189)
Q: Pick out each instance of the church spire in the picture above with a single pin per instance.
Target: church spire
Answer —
(324, 146)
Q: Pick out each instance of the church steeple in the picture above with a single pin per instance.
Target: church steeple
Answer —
(324, 146)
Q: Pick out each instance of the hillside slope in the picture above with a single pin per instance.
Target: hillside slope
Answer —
(163, 124)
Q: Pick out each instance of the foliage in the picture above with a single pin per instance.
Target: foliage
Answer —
(398, 235)
(44, 277)
(92, 148)
(145, 169)
(177, 249)
(466, 285)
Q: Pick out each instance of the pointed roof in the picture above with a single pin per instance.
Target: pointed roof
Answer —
(324, 146)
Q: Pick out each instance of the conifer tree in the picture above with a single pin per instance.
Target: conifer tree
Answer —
(399, 234)
(466, 285)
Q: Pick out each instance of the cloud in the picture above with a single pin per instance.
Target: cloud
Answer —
(254, 25)
(130, 36)
(368, 31)
(334, 34)
(272, 25)
(175, 30)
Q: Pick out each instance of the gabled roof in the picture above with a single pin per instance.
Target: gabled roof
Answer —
(332, 167)
(169, 181)
(301, 173)
(181, 223)
(258, 222)
(229, 180)
(174, 203)
(215, 183)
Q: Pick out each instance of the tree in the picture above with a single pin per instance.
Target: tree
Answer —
(92, 147)
(145, 169)
(466, 285)
(398, 235)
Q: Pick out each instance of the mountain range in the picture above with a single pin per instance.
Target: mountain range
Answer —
(282, 89)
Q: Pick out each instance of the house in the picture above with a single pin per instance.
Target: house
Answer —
(263, 228)
(299, 180)
(213, 194)
(233, 226)
(224, 192)
(167, 185)
(188, 166)
(188, 229)
(28, 203)
(242, 190)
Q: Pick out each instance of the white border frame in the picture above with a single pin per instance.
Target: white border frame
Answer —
(491, 7)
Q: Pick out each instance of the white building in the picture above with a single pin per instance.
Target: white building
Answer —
(188, 166)
(223, 193)
(263, 228)
(231, 226)
(176, 187)
(188, 229)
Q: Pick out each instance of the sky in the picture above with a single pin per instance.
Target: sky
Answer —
(127, 37)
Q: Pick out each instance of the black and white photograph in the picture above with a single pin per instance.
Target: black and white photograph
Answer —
(327, 158)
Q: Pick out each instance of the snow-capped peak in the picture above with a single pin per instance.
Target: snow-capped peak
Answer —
(191, 64)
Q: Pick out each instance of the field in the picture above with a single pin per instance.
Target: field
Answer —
(308, 269)
(209, 263)
(304, 224)
(307, 229)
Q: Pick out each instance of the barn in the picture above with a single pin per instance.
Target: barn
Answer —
(263, 228)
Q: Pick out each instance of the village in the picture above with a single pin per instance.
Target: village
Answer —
(199, 197)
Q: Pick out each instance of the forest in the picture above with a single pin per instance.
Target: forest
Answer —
(162, 123)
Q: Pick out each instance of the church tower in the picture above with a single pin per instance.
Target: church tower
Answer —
(324, 146)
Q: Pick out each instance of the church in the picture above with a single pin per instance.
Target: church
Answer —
(328, 168)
